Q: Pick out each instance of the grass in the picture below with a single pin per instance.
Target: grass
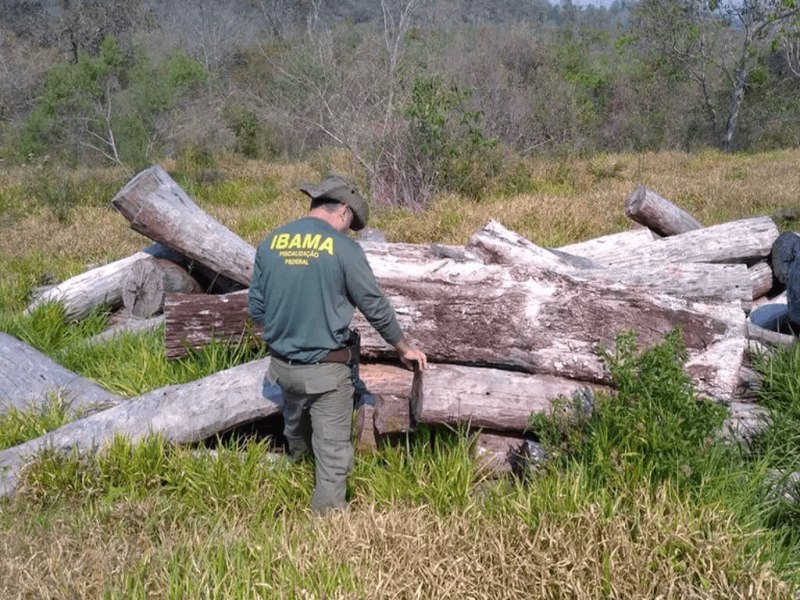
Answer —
(642, 501)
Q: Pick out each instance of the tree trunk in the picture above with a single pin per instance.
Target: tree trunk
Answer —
(737, 95)
(691, 281)
(102, 286)
(127, 325)
(658, 214)
(606, 248)
(182, 414)
(540, 322)
(491, 398)
(745, 241)
(28, 380)
(157, 207)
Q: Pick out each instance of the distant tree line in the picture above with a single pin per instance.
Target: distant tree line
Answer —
(426, 95)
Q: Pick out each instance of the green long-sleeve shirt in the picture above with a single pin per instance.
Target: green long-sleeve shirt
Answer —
(307, 279)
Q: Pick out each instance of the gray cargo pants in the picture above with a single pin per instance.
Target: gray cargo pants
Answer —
(318, 411)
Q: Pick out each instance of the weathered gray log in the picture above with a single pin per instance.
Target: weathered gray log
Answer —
(692, 281)
(540, 322)
(745, 241)
(658, 214)
(143, 290)
(785, 250)
(606, 248)
(181, 414)
(772, 338)
(480, 397)
(127, 325)
(157, 207)
(101, 286)
(745, 421)
(761, 278)
(29, 379)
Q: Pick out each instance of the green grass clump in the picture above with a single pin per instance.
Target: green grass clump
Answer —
(18, 426)
(653, 427)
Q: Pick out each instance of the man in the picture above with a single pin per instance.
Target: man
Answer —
(307, 277)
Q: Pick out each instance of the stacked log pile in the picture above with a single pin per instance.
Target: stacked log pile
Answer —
(507, 325)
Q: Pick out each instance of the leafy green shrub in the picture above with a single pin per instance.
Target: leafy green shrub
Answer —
(653, 426)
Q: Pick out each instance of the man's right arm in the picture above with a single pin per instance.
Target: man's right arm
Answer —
(365, 293)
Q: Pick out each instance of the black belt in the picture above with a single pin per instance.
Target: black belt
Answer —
(341, 355)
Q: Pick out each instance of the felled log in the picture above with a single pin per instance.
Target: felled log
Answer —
(392, 388)
(157, 207)
(745, 241)
(126, 325)
(193, 321)
(658, 214)
(693, 281)
(492, 398)
(181, 414)
(148, 281)
(29, 379)
(540, 322)
(761, 278)
(365, 439)
(771, 338)
(603, 249)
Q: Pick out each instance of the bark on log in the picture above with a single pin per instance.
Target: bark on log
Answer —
(603, 249)
(28, 379)
(392, 388)
(745, 241)
(692, 281)
(366, 439)
(195, 320)
(157, 207)
(182, 414)
(660, 215)
(491, 398)
(540, 322)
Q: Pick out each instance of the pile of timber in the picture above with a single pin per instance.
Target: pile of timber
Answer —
(507, 325)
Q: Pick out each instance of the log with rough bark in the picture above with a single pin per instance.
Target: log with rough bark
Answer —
(540, 322)
(366, 440)
(157, 207)
(392, 388)
(195, 320)
(658, 214)
(692, 281)
(744, 241)
(102, 286)
(606, 248)
(182, 414)
(29, 379)
(479, 397)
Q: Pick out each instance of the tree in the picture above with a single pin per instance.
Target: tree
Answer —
(715, 44)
